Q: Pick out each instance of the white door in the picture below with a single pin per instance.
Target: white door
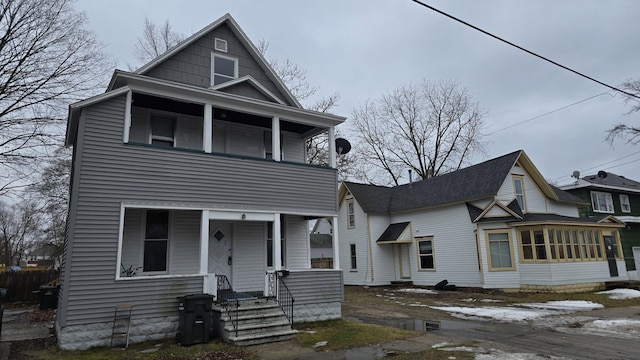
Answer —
(220, 248)
(405, 267)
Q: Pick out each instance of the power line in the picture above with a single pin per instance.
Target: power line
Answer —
(525, 50)
(606, 163)
(547, 113)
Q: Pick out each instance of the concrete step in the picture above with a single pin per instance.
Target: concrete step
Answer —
(255, 339)
(247, 329)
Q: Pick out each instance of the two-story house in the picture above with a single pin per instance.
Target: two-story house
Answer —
(608, 193)
(497, 224)
(190, 176)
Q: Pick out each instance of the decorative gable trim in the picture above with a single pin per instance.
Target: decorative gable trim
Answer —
(235, 28)
(536, 176)
(249, 80)
(498, 204)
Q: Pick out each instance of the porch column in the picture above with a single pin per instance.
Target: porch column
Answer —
(332, 147)
(207, 134)
(336, 244)
(275, 139)
(127, 117)
(204, 242)
(277, 243)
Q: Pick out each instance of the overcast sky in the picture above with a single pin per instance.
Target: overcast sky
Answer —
(362, 49)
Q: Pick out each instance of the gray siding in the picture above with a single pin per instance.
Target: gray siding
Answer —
(246, 90)
(315, 286)
(192, 65)
(108, 172)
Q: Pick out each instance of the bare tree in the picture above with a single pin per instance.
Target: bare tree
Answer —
(430, 128)
(47, 60)
(19, 227)
(630, 132)
(155, 40)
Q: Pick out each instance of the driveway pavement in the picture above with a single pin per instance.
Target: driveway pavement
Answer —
(16, 329)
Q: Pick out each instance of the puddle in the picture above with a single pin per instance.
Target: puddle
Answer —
(427, 325)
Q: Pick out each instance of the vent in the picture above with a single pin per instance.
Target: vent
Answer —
(220, 45)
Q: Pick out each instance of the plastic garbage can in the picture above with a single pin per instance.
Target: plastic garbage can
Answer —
(194, 320)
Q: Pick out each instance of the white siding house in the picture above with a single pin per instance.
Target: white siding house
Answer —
(497, 224)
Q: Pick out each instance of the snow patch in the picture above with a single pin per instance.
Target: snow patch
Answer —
(418, 291)
(621, 294)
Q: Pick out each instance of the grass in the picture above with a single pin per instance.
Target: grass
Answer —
(435, 354)
(341, 334)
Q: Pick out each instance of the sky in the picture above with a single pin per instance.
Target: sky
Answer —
(362, 49)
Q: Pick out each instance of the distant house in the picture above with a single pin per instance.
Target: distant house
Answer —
(497, 224)
(321, 239)
(190, 177)
(611, 194)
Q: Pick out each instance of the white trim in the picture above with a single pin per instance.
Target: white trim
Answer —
(584, 183)
(213, 68)
(626, 202)
(120, 239)
(277, 243)
(276, 149)
(236, 212)
(629, 219)
(204, 242)
(336, 244)
(332, 147)
(207, 128)
(249, 79)
(608, 199)
(127, 118)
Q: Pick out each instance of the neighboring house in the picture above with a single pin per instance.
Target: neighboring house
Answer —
(497, 224)
(608, 193)
(43, 255)
(188, 173)
(321, 239)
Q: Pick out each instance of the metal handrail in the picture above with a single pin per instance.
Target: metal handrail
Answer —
(226, 299)
(283, 295)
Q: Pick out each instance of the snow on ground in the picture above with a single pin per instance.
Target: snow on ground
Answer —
(418, 291)
(566, 305)
(621, 294)
(495, 312)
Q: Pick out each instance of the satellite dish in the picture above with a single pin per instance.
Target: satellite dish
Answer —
(576, 174)
(342, 146)
(602, 174)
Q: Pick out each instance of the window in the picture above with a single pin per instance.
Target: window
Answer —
(156, 240)
(223, 69)
(220, 45)
(351, 214)
(624, 203)
(500, 253)
(163, 131)
(354, 260)
(425, 254)
(601, 202)
(518, 188)
(270, 243)
(564, 244)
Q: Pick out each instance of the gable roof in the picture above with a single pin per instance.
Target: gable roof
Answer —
(237, 31)
(393, 232)
(249, 80)
(475, 182)
(610, 181)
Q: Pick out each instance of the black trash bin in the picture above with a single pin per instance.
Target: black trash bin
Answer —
(48, 297)
(194, 321)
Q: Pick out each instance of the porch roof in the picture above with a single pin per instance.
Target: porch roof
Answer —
(393, 234)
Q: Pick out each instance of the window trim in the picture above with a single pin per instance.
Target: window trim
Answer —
(223, 45)
(143, 237)
(520, 178)
(625, 202)
(351, 214)
(608, 200)
(152, 137)
(488, 249)
(353, 256)
(433, 257)
(213, 70)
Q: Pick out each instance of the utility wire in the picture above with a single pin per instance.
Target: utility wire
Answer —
(547, 113)
(607, 163)
(525, 50)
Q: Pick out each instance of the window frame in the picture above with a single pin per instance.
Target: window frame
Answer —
(625, 202)
(144, 239)
(353, 256)
(213, 68)
(519, 178)
(225, 46)
(153, 137)
(487, 234)
(608, 202)
(420, 255)
(351, 214)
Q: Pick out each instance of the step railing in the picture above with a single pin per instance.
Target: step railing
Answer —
(225, 298)
(279, 290)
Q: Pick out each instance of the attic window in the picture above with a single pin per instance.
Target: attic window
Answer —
(220, 45)
(223, 69)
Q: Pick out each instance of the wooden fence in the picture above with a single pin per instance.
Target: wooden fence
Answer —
(22, 284)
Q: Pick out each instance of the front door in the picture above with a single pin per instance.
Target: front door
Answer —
(611, 249)
(405, 267)
(220, 248)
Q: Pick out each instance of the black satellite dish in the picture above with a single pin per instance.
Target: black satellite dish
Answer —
(342, 146)
(602, 174)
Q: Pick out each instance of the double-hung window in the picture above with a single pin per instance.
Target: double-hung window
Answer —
(351, 215)
(354, 259)
(625, 205)
(156, 241)
(601, 202)
(163, 130)
(223, 69)
(499, 249)
(518, 188)
(425, 254)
